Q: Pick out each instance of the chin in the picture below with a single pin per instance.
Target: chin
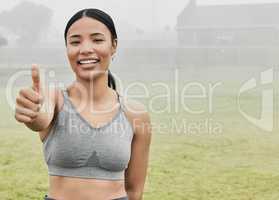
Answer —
(89, 76)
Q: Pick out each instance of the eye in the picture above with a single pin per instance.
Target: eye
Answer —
(98, 40)
(74, 42)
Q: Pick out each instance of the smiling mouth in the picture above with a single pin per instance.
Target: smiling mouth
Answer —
(88, 61)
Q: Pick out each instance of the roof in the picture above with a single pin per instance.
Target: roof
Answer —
(243, 15)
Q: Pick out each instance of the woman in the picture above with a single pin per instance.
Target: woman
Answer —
(88, 156)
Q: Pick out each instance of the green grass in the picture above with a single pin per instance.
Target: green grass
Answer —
(240, 162)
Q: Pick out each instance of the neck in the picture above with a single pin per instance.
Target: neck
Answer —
(95, 90)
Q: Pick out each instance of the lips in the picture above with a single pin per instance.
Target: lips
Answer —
(88, 61)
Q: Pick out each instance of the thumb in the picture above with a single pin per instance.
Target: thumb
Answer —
(35, 77)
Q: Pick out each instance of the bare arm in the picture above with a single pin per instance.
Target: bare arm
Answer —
(135, 174)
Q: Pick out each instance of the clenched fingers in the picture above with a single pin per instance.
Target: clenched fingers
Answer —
(32, 95)
(26, 103)
(27, 112)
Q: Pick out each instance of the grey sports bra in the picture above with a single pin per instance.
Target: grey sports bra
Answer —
(75, 148)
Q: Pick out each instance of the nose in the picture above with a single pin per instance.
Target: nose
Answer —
(86, 48)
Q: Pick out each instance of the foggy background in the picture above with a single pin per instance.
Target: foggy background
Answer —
(208, 142)
(203, 39)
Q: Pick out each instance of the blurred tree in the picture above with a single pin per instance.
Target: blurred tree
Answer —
(3, 41)
(28, 20)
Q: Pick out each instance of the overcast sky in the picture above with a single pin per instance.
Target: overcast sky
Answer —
(146, 14)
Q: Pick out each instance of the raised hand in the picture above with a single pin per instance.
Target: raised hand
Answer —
(29, 100)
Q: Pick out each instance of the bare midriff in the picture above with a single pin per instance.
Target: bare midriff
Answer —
(71, 188)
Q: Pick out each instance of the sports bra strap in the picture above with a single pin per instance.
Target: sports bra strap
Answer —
(119, 97)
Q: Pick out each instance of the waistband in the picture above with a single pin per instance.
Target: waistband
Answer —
(86, 172)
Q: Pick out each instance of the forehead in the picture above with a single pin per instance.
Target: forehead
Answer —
(87, 25)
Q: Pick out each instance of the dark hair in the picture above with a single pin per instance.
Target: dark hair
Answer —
(102, 17)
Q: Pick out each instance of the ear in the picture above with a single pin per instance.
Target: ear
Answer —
(114, 46)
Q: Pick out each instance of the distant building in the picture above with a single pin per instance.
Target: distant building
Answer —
(246, 34)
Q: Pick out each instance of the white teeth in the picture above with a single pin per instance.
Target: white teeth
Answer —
(88, 61)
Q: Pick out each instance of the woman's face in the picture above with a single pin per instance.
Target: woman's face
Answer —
(89, 48)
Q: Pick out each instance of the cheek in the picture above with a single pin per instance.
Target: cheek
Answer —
(71, 53)
(104, 51)
(72, 58)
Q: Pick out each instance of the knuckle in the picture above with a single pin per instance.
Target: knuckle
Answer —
(33, 114)
(33, 108)
(38, 108)
(17, 109)
(18, 99)
(37, 99)
(18, 118)
(22, 92)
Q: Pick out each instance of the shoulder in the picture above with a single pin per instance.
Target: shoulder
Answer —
(137, 114)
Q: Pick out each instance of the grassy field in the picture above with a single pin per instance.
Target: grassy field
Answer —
(234, 160)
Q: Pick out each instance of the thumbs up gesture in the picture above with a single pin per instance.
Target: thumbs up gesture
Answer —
(30, 100)
(35, 78)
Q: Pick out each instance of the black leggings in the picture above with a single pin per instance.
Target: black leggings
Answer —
(120, 198)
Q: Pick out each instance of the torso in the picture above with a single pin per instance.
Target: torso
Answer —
(67, 188)
(72, 188)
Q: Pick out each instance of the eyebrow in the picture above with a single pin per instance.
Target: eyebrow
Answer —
(78, 36)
